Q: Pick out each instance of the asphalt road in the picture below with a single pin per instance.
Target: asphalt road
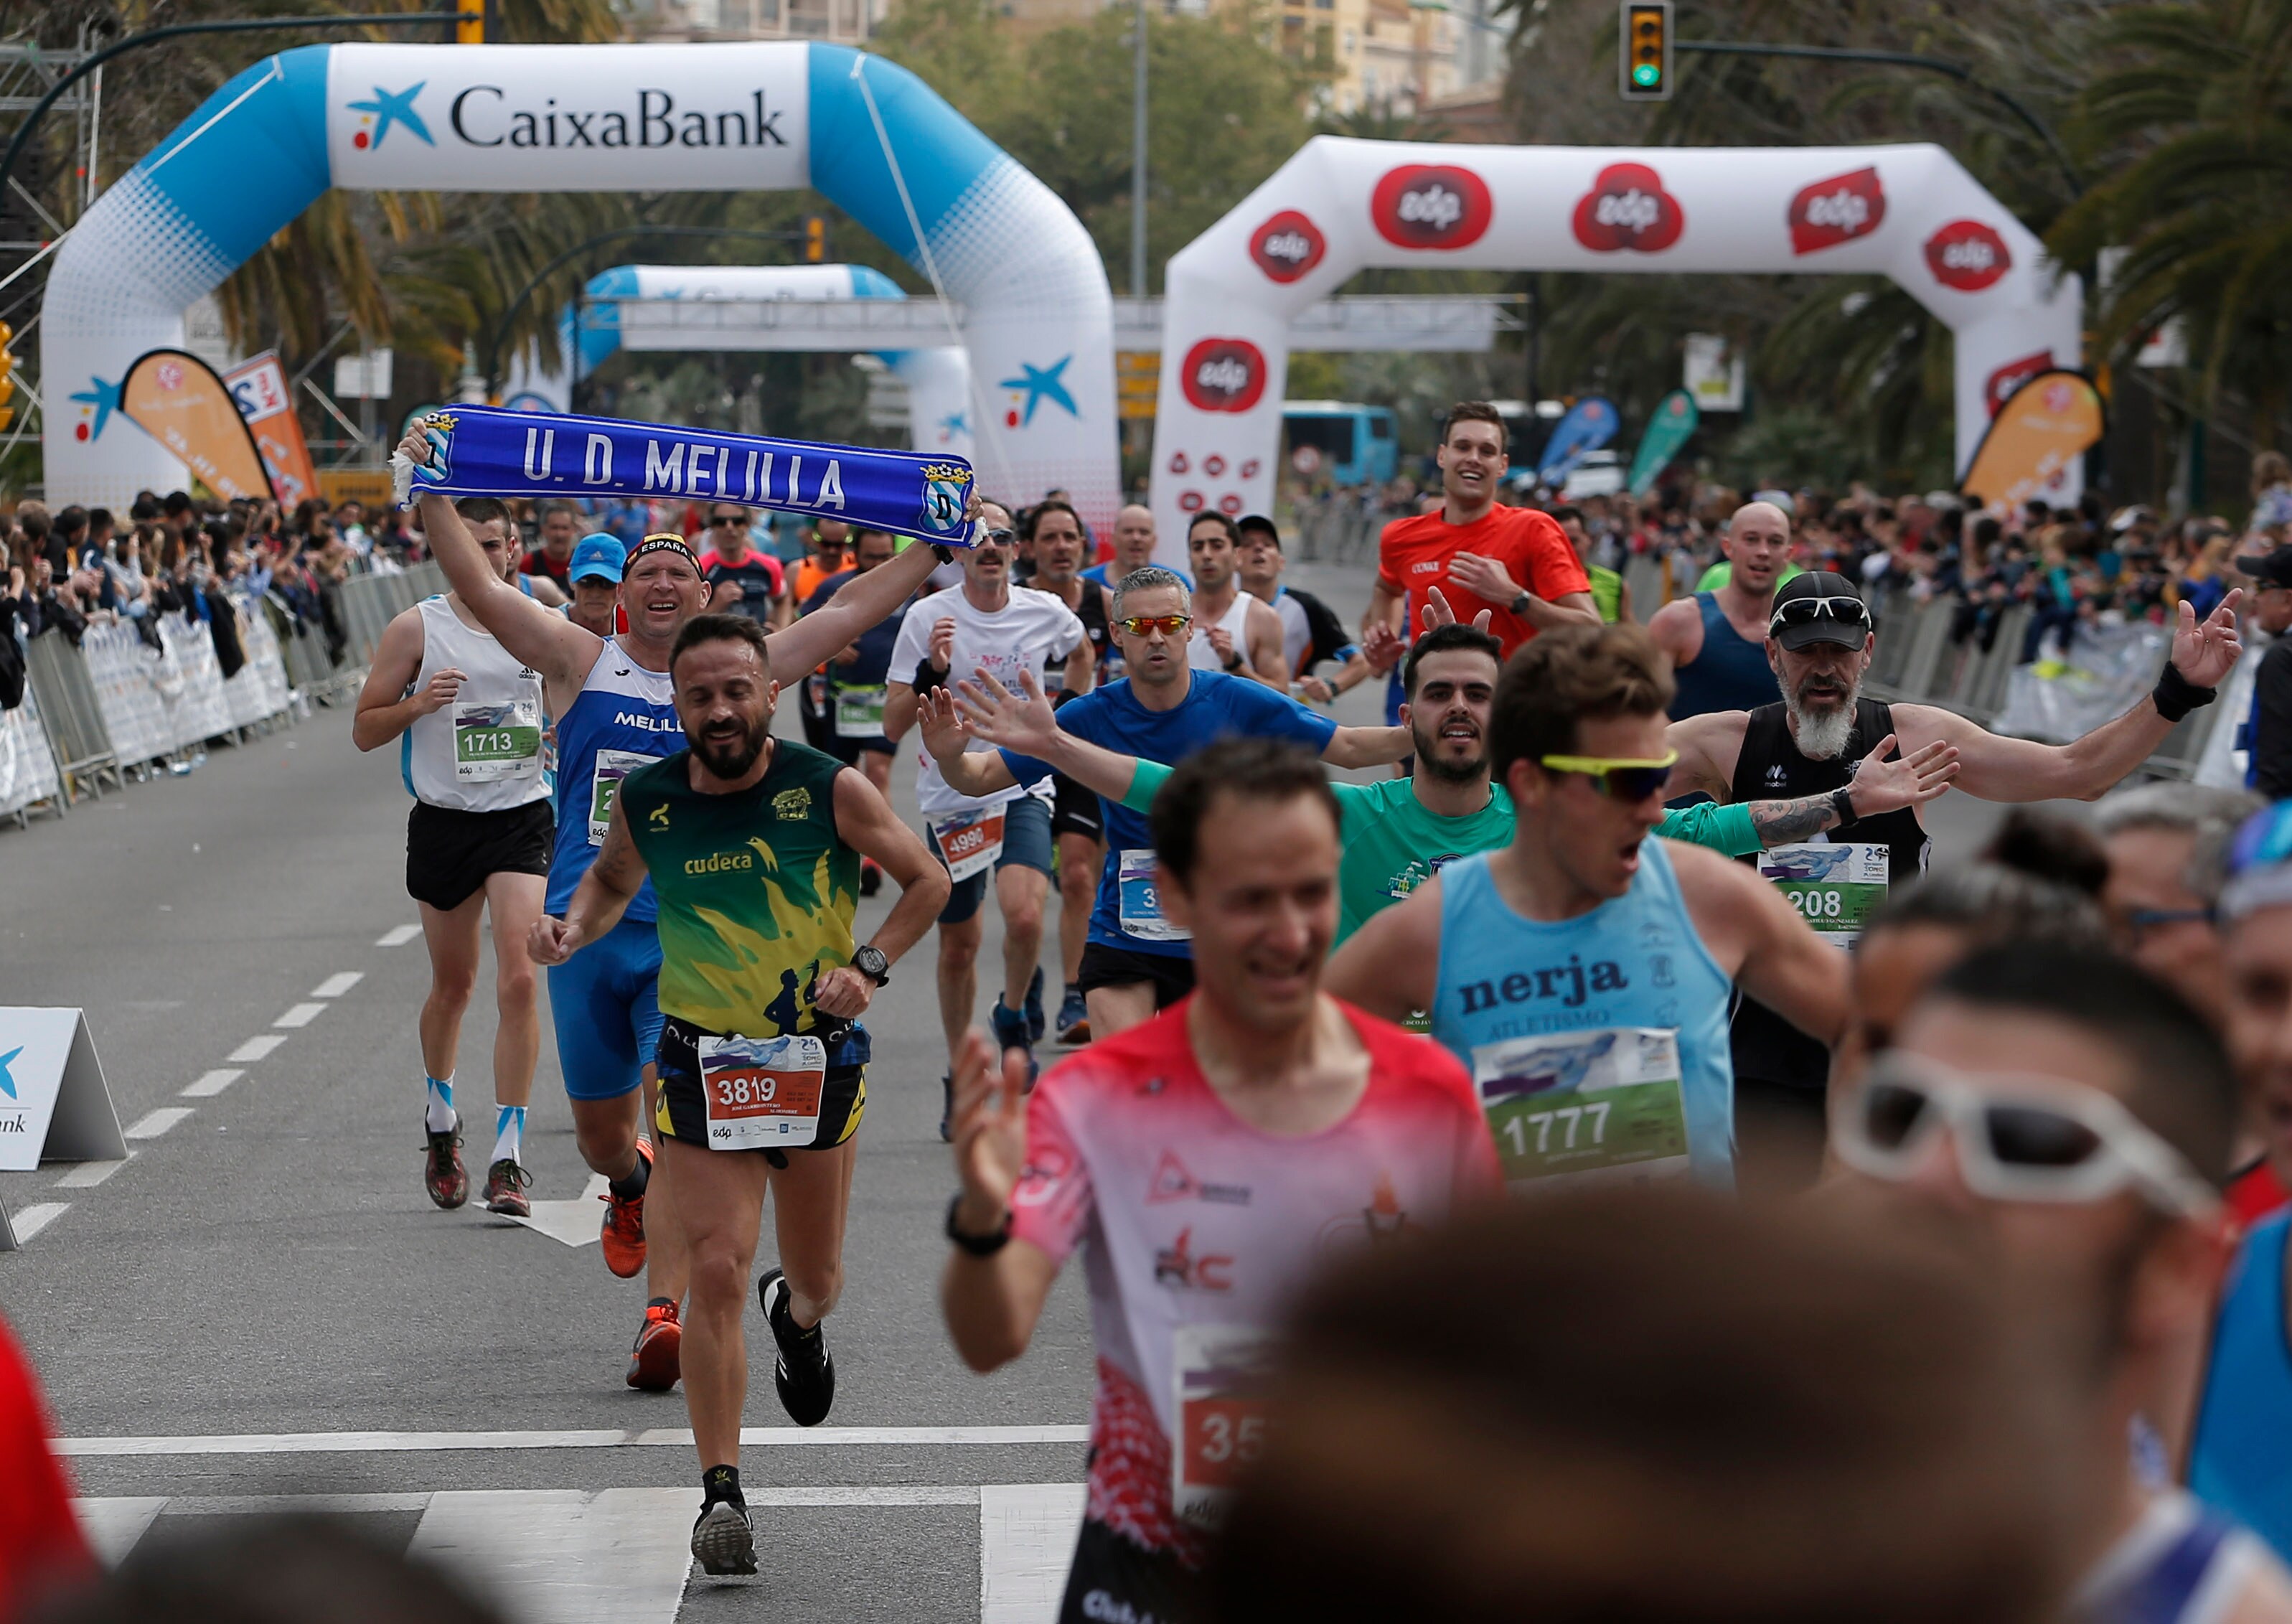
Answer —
(262, 1306)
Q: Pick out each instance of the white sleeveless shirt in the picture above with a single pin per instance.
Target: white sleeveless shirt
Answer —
(1201, 656)
(482, 752)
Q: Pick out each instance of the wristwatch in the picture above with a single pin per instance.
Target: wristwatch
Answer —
(978, 1246)
(1519, 602)
(1233, 659)
(870, 962)
(1842, 802)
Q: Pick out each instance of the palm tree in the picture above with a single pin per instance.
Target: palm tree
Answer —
(2195, 103)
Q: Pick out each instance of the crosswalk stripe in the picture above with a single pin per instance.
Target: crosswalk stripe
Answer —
(561, 1556)
(1026, 1534)
(416, 1442)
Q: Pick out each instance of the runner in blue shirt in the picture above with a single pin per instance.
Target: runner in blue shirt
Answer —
(1136, 963)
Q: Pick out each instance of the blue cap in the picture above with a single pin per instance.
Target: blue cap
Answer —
(597, 556)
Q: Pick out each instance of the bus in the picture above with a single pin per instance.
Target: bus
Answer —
(1347, 443)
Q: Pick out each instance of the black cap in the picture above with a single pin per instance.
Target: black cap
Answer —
(1834, 622)
(1259, 524)
(2270, 569)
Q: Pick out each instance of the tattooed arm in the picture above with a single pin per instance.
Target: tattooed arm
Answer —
(1879, 786)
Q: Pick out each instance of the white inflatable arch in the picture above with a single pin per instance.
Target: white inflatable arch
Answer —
(1035, 313)
(637, 307)
(1341, 206)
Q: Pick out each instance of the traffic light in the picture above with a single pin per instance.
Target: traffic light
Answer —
(477, 21)
(815, 241)
(1644, 66)
(7, 376)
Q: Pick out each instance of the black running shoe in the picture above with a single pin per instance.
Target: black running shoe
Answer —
(445, 1179)
(947, 1107)
(723, 1541)
(506, 1186)
(805, 1374)
(1038, 1023)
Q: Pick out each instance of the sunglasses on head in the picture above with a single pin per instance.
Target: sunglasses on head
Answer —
(1801, 611)
(2019, 1139)
(1619, 779)
(1140, 626)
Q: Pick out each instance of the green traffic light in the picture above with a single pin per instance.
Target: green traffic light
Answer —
(1645, 75)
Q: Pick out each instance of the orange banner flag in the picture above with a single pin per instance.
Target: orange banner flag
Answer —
(2044, 425)
(177, 398)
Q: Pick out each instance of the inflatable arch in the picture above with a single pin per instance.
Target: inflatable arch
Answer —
(1036, 315)
(938, 380)
(1343, 204)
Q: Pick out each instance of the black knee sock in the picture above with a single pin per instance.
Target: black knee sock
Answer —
(721, 1484)
(628, 1189)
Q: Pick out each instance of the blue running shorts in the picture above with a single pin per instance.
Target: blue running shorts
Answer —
(602, 1001)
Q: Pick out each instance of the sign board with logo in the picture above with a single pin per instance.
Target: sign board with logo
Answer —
(54, 1105)
(1713, 373)
(1343, 206)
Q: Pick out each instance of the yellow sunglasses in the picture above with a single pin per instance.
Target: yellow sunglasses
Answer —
(1619, 779)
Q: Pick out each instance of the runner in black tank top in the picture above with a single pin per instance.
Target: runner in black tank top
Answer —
(1777, 1068)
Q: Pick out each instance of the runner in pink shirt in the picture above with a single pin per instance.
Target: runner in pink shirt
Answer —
(1209, 1163)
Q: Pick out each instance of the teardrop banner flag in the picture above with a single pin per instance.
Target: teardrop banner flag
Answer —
(176, 398)
(258, 385)
(1673, 424)
(1590, 424)
(488, 451)
(2043, 427)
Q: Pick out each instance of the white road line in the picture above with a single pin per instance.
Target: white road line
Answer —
(151, 1124)
(335, 986)
(88, 1175)
(36, 1217)
(354, 1505)
(213, 1083)
(379, 1442)
(301, 1014)
(573, 1223)
(398, 935)
(114, 1523)
(561, 1556)
(256, 1048)
(1026, 1535)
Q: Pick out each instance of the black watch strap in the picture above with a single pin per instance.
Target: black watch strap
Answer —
(870, 962)
(1842, 802)
(978, 1246)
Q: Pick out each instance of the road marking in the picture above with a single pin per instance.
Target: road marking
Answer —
(1026, 1534)
(563, 1557)
(114, 1523)
(151, 1124)
(574, 1223)
(301, 1014)
(213, 1083)
(88, 1175)
(256, 1048)
(649, 1437)
(398, 935)
(36, 1217)
(335, 985)
(358, 1505)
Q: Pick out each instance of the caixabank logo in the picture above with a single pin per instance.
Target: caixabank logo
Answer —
(499, 115)
(1441, 206)
(1628, 209)
(1967, 255)
(1223, 375)
(1836, 210)
(1288, 246)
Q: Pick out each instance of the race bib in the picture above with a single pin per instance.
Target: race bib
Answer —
(605, 783)
(1834, 885)
(494, 743)
(1222, 1374)
(762, 1093)
(1603, 1104)
(1141, 904)
(969, 841)
(859, 713)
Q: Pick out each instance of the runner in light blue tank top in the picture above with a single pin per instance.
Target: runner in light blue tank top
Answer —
(1598, 1044)
(2243, 1459)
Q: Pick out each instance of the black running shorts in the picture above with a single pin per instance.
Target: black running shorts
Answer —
(682, 1112)
(449, 854)
(1074, 809)
(1172, 974)
(1114, 1579)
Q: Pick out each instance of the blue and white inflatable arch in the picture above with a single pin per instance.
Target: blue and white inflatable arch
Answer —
(1035, 313)
(651, 308)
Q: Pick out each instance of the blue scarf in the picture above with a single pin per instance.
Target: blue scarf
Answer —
(486, 451)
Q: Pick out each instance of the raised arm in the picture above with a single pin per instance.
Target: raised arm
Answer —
(976, 773)
(384, 708)
(541, 638)
(858, 604)
(1366, 746)
(1025, 723)
(991, 1304)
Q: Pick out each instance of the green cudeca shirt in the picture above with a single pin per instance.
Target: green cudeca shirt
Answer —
(756, 890)
(1392, 844)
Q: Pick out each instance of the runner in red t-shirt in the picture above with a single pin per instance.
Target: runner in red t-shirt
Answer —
(41, 1545)
(1209, 1163)
(1514, 562)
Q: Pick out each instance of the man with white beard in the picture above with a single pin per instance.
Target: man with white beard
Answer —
(1818, 643)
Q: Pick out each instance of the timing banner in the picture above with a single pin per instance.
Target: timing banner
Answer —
(489, 451)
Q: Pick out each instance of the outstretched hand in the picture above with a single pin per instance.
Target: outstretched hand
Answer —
(987, 1124)
(2205, 651)
(944, 734)
(1882, 785)
(1023, 722)
(1437, 613)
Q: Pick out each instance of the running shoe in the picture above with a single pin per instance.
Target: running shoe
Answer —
(445, 1177)
(1010, 1030)
(1036, 1025)
(623, 1236)
(506, 1186)
(1074, 1018)
(805, 1374)
(947, 1107)
(871, 876)
(723, 1541)
(653, 1362)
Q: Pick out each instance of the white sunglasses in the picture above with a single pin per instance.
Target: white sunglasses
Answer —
(2019, 1137)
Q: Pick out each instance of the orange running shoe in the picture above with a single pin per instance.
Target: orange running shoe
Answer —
(623, 1236)
(653, 1362)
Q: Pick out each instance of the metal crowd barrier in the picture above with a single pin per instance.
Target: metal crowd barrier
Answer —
(77, 736)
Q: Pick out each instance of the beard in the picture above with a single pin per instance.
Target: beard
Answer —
(1429, 761)
(730, 757)
(1821, 730)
